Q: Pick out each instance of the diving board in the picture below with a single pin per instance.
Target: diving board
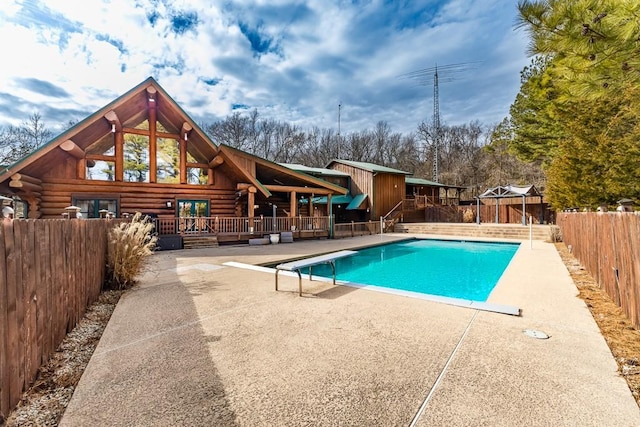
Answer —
(298, 265)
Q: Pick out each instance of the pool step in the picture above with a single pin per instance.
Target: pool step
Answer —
(498, 231)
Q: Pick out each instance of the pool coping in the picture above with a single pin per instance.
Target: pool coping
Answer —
(458, 302)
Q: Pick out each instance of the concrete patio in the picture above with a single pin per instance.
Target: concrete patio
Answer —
(200, 343)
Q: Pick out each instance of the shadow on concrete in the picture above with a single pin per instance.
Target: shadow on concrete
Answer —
(153, 366)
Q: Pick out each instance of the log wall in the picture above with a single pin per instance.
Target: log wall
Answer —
(608, 247)
(143, 197)
(50, 271)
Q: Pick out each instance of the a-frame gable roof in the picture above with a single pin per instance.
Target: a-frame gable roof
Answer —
(130, 110)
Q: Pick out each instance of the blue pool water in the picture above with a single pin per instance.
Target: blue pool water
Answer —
(456, 269)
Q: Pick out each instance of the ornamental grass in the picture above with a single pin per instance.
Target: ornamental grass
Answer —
(129, 245)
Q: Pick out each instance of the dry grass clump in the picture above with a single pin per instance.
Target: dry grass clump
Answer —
(623, 339)
(555, 234)
(129, 244)
(468, 216)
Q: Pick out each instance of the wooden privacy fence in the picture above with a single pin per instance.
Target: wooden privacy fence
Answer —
(608, 246)
(507, 214)
(50, 271)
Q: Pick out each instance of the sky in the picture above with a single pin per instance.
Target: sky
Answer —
(315, 63)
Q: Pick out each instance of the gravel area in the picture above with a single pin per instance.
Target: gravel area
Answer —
(45, 402)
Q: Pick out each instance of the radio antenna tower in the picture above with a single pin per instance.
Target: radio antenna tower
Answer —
(448, 73)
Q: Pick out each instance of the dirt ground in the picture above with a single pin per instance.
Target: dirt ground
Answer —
(45, 402)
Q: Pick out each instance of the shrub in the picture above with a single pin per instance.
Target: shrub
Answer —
(555, 234)
(128, 245)
(468, 216)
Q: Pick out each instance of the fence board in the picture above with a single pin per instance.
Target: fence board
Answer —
(50, 271)
(607, 245)
(4, 321)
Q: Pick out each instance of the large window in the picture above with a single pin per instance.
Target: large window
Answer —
(136, 158)
(195, 175)
(103, 170)
(168, 155)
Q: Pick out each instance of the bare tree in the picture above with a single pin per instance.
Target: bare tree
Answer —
(17, 142)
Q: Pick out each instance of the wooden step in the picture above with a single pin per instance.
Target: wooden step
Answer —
(505, 231)
(197, 242)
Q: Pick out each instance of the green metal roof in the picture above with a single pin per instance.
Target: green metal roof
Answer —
(357, 202)
(309, 170)
(421, 181)
(369, 166)
(335, 200)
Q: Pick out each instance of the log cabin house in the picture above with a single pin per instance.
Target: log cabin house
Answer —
(143, 153)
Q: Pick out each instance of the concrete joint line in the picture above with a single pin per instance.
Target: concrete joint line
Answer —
(444, 370)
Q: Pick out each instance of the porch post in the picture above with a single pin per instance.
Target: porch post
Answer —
(251, 201)
(153, 161)
(293, 204)
(524, 214)
(330, 213)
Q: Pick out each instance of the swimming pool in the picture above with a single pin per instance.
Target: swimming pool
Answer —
(454, 269)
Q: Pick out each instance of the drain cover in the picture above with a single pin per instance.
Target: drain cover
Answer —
(536, 334)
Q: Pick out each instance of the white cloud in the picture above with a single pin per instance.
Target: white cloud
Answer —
(320, 53)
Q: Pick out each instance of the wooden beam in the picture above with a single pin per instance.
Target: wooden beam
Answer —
(183, 162)
(293, 204)
(145, 132)
(167, 135)
(186, 128)
(216, 161)
(26, 186)
(25, 178)
(251, 201)
(119, 155)
(72, 148)
(153, 166)
(113, 119)
(101, 157)
(151, 92)
(242, 186)
(81, 172)
(198, 165)
(301, 190)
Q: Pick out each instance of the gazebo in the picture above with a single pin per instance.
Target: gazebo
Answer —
(508, 191)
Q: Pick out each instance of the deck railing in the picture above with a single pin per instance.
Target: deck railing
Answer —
(239, 225)
(353, 229)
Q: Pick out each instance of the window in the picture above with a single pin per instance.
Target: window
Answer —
(101, 170)
(196, 175)
(90, 207)
(168, 155)
(104, 169)
(136, 158)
